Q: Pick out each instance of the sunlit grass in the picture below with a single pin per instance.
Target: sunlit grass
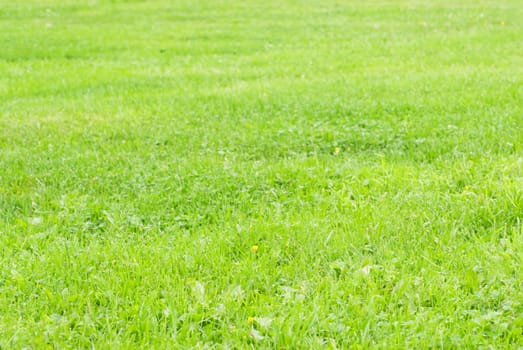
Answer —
(310, 174)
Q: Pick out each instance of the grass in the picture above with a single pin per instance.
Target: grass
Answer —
(217, 174)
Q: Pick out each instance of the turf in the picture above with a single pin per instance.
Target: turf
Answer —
(266, 174)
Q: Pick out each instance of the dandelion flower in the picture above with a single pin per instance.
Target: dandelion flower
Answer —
(254, 248)
(250, 319)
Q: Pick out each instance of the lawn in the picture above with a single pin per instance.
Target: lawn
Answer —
(261, 174)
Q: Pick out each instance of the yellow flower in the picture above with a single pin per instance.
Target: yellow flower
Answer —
(250, 319)
(254, 248)
(337, 150)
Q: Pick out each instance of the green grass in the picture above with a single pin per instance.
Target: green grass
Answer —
(372, 150)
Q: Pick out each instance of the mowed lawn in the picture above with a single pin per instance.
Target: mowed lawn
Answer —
(261, 174)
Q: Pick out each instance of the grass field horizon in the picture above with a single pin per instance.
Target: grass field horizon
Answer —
(237, 174)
